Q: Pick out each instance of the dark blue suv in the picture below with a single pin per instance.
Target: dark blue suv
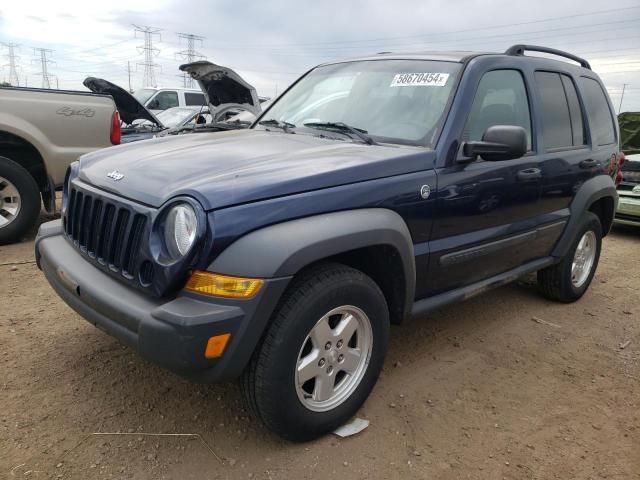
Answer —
(372, 191)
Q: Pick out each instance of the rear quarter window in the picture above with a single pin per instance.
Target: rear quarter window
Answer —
(598, 111)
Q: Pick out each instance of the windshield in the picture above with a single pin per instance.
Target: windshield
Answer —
(172, 117)
(143, 94)
(394, 101)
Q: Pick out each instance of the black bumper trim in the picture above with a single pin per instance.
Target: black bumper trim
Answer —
(170, 332)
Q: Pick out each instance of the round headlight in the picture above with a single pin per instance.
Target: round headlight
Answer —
(180, 230)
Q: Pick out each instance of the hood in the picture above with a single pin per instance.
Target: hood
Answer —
(129, 108)
(227, 168)
(224, 89)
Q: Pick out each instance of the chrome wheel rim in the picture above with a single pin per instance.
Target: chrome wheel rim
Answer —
(10, 202)
(333, 358)
(583, 259)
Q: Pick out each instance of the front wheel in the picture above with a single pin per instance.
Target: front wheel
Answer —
(568, 280)
(321, 355)
(19, 201)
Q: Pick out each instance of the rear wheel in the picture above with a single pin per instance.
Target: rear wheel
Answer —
(321, 355)
(568, 280)
(19, 201)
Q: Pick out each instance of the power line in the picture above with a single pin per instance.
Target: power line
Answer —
(473, 40)
(452, 32)
(13, 73)
(41, 56)
(189, 54)
(149, 52)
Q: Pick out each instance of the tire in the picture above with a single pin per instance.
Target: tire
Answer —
(14, 178)
(557, 281)
(270, 383)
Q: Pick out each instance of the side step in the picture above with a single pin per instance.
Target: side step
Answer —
(430, 304)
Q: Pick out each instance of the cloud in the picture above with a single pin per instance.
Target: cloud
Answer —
(271, 43)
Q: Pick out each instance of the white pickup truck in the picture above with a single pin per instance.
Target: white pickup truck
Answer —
(41, 133)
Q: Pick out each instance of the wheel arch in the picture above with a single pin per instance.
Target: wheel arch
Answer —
(375, 241)
(25, 154)
(604, 208)
(597, 195)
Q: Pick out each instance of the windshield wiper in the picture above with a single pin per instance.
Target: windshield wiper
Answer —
(343, 128)
(272, 122)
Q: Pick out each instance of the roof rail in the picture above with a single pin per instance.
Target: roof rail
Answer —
(520, 49)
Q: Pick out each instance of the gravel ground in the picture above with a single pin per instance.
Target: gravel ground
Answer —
(506, 385)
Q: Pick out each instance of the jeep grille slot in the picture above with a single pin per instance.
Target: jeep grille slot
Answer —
(109, 233)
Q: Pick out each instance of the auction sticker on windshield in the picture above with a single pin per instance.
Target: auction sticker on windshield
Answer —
(420, 79)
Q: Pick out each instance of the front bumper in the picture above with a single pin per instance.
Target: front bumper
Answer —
(628, 212)
(171, 332)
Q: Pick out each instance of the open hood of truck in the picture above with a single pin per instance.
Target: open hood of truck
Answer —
(224, 89)
(129, 108)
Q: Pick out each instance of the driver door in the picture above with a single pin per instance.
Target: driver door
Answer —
(487, 210)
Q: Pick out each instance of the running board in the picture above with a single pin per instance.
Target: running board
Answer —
(430, 304)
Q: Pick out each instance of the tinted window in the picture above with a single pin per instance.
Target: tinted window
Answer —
(395, 101)
(164, 100)
(556, 121)
(600, 117)
(501, 99)
(196, 99)
(575, 111)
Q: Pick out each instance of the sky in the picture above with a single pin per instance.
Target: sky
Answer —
(271, 43)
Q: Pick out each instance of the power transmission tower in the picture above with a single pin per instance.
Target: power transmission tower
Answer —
(190, 54)
(13, 73)
(149, 52)
(41, 56)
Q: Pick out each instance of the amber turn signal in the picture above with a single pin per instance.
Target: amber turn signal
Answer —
(216, 345)
(217, 285)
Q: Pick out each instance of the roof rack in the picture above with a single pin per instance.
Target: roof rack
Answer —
(520, 49)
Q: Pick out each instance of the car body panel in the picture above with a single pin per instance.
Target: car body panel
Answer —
(130, 109)
(628, 211)
(149, 97)
(60, 124)
(224, 89)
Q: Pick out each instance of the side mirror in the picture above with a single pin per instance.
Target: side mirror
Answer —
(499, 142)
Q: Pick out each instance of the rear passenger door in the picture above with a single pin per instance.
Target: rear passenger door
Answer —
(568, 159)
(563, 141)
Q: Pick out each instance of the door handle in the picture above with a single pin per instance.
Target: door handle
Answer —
(529, 174)
(589, 163)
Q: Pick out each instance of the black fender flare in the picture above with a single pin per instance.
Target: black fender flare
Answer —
(589, 192)
(284, 249)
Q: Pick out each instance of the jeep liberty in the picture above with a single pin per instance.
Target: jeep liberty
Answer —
(372, 191)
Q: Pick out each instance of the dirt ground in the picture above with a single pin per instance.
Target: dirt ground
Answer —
(478, 390)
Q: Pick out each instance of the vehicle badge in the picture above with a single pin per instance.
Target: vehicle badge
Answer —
(425, 191)
(115, 175)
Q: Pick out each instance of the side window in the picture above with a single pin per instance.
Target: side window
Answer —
(195, 99)
(556, 119)
(577, 124)
(164, 100)
(501, 99)
(600, 116)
